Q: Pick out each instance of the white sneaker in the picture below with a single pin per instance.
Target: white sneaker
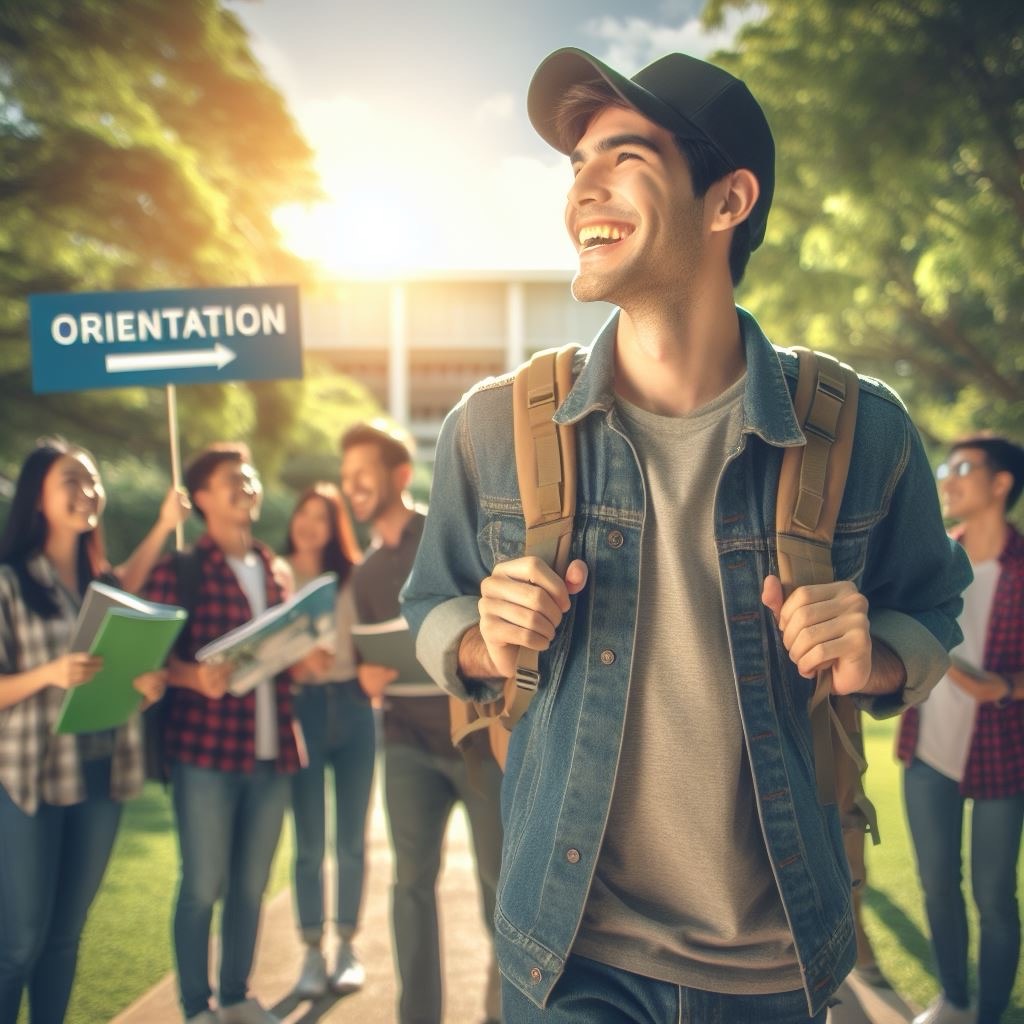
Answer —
(942, 1011)
(312, 981)
(349, 974)
(247, 1012)
(203, 1017)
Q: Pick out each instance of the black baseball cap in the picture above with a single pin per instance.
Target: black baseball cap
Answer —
(686, 96)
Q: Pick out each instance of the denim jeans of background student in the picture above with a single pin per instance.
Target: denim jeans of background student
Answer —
(338, 726)
(935, 813)
(51, 865)
(228, 827)
(598, 994)
(421, 789)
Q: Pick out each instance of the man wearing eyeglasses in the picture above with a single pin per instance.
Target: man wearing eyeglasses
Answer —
(966, 741)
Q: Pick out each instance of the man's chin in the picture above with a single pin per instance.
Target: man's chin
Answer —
(586, 288)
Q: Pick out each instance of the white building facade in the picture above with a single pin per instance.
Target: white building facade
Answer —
(419, 343)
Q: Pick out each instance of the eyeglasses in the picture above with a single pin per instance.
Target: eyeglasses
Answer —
(964, 468)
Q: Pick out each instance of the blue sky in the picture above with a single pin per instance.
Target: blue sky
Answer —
(417, 114)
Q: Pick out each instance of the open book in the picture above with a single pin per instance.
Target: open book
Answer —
(278, 638)
(132, 636)
(391, 643)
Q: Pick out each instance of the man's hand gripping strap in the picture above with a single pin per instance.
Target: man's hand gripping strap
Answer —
(546, 466)
(546, 469)
(811, 486)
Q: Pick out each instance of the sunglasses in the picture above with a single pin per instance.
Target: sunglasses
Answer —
(961, 469)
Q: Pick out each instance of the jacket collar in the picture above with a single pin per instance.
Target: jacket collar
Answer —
(767, 406)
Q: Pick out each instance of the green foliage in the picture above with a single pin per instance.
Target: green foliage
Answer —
(895, 234)
(140, 147)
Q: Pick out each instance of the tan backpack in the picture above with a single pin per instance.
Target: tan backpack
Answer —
(811, 484)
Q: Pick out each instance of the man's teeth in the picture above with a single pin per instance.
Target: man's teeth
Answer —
(601, 234)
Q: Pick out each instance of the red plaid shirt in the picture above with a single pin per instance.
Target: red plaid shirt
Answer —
(995, 763)
(219, 734)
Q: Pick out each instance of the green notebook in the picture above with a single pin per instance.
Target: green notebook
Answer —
(130, 642)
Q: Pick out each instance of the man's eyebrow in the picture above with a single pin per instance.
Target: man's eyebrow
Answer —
(614, 142)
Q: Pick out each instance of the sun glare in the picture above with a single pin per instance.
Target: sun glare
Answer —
(405, 197)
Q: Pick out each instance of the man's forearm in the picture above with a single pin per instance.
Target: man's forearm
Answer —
(888, 673)
(474, 661)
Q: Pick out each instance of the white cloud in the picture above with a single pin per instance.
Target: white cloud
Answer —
(500, 106)
(632, 43)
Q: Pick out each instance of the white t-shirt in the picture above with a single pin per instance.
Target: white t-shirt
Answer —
(252, 579)
(947, 716)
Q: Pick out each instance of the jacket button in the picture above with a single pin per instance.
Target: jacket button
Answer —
(572, 856)
(615, 539)
(535, 975)
(607, 657)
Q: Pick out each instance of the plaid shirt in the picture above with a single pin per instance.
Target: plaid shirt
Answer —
(37, 766)
(995, 763)
(220, 734)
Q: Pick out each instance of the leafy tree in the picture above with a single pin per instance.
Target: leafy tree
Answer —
(140, 147)
(895, 235)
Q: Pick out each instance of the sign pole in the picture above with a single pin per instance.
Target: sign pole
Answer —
(172, 434)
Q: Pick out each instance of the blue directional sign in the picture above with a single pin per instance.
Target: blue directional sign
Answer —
(184, 336)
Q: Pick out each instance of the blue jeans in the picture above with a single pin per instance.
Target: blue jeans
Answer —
(337, 722)
(51, 865)
(420, 791)
(935, 813)
(228, 827)
(598, 994)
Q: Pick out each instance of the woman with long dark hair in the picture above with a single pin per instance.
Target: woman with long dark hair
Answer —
(60, 795)
(337, 722)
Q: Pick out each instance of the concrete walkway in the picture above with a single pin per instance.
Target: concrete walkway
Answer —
(465, 947)
(465, 952)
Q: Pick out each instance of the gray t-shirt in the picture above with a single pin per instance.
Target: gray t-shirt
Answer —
(683, 890)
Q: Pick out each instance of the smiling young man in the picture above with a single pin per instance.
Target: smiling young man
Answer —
(966, 741)
(231, 757)
(424, 776)
(666, 857)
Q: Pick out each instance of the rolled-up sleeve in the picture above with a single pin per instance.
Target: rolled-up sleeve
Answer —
(913, 580)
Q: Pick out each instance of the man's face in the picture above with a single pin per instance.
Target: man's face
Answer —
(232, 496)
(631, 212)
(369, 485)
(967, 484)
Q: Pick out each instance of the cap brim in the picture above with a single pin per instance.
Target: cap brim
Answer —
(563, 69)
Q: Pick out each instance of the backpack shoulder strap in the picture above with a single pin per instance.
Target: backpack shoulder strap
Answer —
(188, 571)
(546, 470)
(811, 485)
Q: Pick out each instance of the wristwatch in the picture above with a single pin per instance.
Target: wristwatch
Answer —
(1007, 699)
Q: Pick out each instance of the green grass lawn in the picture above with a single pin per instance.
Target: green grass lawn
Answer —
(126, 946)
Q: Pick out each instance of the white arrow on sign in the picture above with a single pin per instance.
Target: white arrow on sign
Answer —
(219, 356)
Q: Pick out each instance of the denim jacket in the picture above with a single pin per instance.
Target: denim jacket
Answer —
(563, 756)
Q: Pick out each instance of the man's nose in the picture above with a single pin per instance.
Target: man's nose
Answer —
(588, 185)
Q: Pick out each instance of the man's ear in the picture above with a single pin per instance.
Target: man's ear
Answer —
(403, 475)
(1002, 483)
(734, 196)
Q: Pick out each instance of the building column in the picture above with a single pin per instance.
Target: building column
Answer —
(398, 356)
(515, 324)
